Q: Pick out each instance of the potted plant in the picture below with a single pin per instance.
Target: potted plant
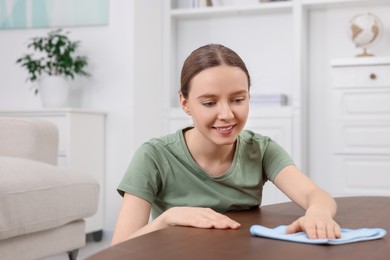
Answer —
(54, 61)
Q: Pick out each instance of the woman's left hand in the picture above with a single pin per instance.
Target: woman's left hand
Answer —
(317, 224)
(320, 206)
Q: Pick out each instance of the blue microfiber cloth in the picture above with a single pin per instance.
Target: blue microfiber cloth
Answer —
(347, 235)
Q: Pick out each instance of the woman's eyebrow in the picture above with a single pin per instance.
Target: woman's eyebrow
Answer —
(231, 94)
(206, 96)
(240, 92)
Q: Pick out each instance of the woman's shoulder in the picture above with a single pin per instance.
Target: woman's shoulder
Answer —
(248, 136)
(165, 140)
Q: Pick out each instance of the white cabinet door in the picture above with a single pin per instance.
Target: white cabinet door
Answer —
(360, 127)
(360, 175)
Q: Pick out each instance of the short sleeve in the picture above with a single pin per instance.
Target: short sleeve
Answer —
(142, 177)
(275, 159)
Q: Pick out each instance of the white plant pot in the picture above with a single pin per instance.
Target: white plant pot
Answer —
(54, 91)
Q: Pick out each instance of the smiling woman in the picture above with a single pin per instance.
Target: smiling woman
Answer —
(193, 176)
(52, 13)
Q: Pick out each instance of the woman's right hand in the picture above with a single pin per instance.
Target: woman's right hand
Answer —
(198, 217)
(134, 215)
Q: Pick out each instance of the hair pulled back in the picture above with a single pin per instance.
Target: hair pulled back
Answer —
(207, 56)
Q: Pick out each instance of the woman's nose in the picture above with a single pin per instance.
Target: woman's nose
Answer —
(225, 112)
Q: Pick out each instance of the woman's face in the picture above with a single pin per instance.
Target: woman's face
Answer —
(218, 102)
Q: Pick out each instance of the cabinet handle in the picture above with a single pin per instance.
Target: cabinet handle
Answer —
(372, 76)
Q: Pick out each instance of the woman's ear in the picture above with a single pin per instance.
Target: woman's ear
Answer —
(183, 103)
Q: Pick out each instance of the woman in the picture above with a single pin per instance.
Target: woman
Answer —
(191, 177)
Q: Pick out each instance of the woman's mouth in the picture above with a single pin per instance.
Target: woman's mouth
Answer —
(225, 130)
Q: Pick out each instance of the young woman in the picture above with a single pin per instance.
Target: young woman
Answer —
(193, 176)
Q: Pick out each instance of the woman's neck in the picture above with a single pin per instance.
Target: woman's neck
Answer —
(214, 159)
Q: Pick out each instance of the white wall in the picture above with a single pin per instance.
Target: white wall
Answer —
(148, 87)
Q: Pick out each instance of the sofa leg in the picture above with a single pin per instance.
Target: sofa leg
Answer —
(97, 235)
(73, 254)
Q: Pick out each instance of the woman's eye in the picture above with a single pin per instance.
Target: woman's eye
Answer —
(208, 103)
(238, 100)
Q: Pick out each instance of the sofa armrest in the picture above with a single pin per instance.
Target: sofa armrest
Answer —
(33, 139)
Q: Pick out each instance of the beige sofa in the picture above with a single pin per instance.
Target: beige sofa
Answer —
(42, 206)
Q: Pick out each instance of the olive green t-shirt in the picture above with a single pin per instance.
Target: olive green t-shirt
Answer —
(163, 172)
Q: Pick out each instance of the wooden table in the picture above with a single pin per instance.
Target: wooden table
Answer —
(192, 243)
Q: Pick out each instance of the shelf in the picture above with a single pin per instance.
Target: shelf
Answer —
(202, 12)
(270, 111)
(339, 3)
(360, 61)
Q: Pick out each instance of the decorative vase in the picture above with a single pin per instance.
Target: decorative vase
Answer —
(54, 91)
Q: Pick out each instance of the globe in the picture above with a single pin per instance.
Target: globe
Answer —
(365, 30)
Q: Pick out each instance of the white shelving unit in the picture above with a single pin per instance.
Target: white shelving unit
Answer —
(279, 66)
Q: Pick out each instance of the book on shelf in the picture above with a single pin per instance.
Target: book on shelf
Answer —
(269, 99)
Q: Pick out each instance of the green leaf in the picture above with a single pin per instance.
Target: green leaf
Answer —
(58, 56)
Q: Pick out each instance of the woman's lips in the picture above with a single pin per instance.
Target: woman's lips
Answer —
(225, 130)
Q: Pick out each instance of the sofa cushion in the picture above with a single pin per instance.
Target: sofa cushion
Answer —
(36, 196)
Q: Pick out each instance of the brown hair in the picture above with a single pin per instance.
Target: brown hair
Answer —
(205, 57)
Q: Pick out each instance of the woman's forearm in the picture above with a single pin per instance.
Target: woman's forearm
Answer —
(159, 223)
(320, 200)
